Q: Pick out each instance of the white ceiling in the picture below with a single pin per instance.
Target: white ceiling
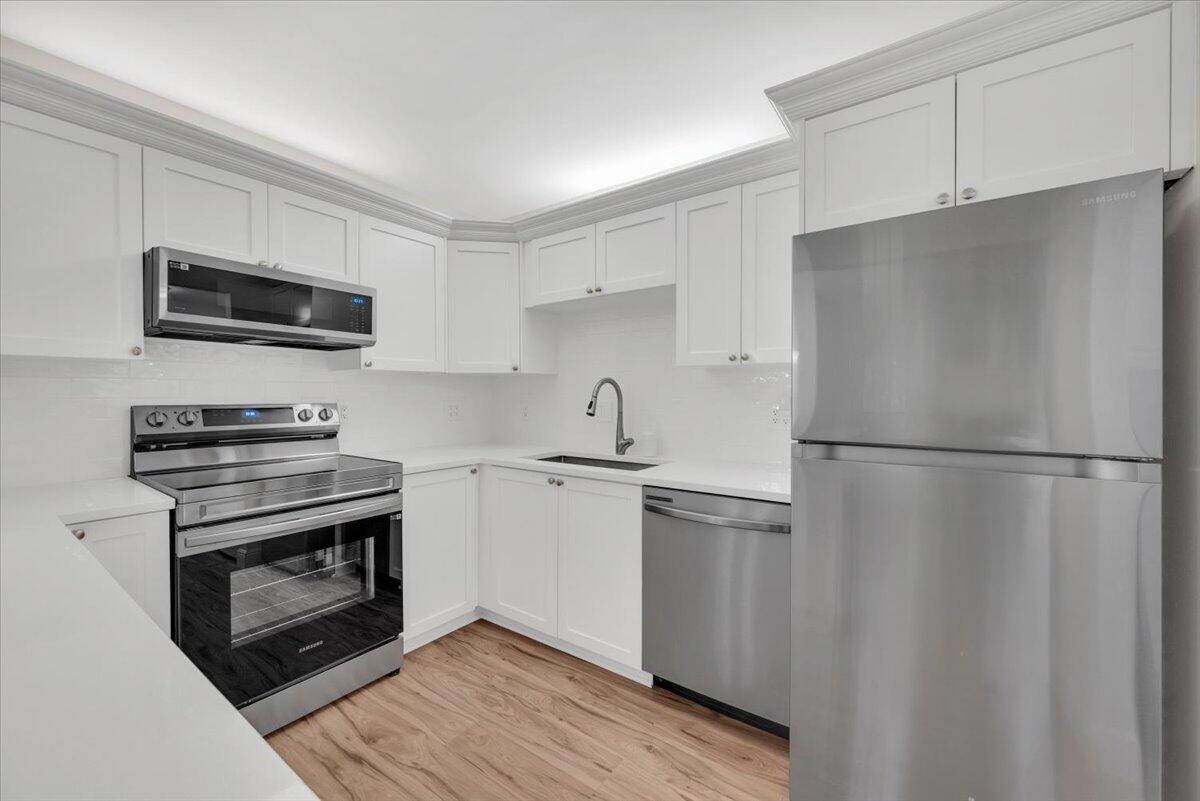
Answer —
(483, 110)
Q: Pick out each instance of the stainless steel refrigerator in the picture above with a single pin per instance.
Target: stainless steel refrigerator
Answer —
(976, 534)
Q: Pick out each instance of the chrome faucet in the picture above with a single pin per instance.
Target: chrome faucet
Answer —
(623, 442)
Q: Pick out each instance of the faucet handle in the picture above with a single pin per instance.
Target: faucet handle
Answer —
(624, 445)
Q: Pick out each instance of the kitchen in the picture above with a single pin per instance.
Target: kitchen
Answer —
(523, 580)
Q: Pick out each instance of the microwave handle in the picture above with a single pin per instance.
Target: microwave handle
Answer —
(204, 537)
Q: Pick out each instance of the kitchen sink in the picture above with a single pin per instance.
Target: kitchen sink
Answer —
(592, 461)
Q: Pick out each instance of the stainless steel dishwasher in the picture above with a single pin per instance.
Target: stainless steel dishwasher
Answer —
(715, 619)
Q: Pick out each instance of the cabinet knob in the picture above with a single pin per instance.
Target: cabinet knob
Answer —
(745, 357)
(277, 265)
(589, 290)
(474, 470)
(368, 363)
(969, 193)
(263, 263)
(550, 480)
(733, 357)
(515, 368)
(79, 533)
(599, 289)
(943, 198)
(558, 481)
(136, 350)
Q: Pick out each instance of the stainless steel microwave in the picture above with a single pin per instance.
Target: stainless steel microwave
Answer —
(192, 296)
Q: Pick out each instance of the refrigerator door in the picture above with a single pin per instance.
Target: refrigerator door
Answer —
(1030, 323)
(976, 631)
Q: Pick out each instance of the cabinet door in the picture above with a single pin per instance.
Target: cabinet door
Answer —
(311, 236)
(600, 568)
(136, 551)
(520, 554)
(195, 207)
(1090, 107)
(439, 547)
(636, 251)
(561, 266)
(484, 307)
(70, 239)
(708, 257)
(770, 218)
(408, 269)
(882, 158)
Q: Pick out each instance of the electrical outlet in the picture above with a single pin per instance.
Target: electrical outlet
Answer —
(781, 415)
(344, 411)
(452, 411)
(525, 415)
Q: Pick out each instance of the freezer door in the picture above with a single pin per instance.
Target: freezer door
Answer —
(1030, 323)
(964, 633)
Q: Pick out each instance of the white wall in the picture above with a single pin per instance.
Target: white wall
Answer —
(705, 413)
(68, 419)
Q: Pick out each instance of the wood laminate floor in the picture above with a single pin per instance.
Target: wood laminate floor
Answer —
(485, 713)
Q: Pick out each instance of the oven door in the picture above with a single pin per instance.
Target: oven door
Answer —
(264, 603)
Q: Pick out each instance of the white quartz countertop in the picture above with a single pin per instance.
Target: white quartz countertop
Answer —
(95, 701)
(720, 478)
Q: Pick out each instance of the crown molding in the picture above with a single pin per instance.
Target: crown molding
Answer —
(482, 231)
(981, 38)
(750, 164)
(39, 91)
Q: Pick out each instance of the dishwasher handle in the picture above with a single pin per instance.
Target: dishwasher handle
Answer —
(718, 520)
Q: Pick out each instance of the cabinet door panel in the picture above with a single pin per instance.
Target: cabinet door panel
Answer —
(195, 207)
(600, 568)
(1094, 106)
(439, 546)
(408, 268)
(881, 158)
(521, 553)
(71, 245)
(484, 305)
(636, 251)
(708, 278)
(770, 218)
(561, 266)
(311, 236)
(136, 551)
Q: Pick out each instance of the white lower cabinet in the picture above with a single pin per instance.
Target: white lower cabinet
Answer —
(563, 556)
(136, 550)
(439, 548)
(600, 568)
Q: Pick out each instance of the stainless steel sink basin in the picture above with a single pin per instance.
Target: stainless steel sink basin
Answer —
(590, 461)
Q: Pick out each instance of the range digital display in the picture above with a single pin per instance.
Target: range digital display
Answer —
(247, 415)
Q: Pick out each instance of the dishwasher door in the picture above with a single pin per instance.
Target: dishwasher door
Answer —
(715, 578)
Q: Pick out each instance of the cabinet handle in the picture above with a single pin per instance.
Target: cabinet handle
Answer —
(589, 290)
(969, 193)
(550, 480)
(733, 357)
(745, 357)
(943, 198)
(515, 368)
(368, 363)
(599, 289)
(474, 470)
(79, 533)
(136, 350)
(558, 481)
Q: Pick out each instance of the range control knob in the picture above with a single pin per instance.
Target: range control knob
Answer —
(187, 417)
(305, 415)
(325, 414)
(156, 419)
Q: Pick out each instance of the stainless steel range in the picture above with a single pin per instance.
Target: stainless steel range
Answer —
(286, 581)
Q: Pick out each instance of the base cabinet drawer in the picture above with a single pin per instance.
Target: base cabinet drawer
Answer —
(136, 550)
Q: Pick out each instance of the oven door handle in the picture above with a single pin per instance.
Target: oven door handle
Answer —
(204, 537)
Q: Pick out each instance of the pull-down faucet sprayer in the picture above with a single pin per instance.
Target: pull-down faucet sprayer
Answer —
(623, 442)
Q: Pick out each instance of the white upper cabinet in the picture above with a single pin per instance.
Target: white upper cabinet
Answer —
(770, 218)
(600, 568)
(520, 548)
(708, 278)
(407, 268)
(1090, 107)
(484, 307)
(440, 545)
(561, 266)
(70, 239)
(636, 251)
(882, 158)
(312, 236)
(203, 209)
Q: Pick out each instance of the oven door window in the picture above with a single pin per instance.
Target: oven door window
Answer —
(259, 616)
